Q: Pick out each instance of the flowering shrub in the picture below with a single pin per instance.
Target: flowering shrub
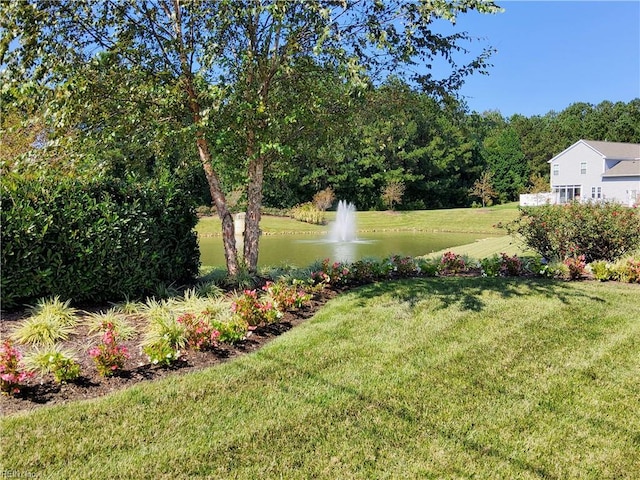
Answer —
(576, 266)
(403, 266)
(108, 356)
(599, 231)
(286, 297)
(510, 266)
(452, 263)
(366, 270)
(200, 334)
(253, 311)
(320, 278)
(12, 373)
(332, 273)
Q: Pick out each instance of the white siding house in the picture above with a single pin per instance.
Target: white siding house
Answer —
(597, 171)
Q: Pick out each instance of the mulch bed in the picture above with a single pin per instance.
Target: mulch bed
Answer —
(41, 391)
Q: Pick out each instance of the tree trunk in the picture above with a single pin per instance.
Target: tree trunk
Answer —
(215, 187)
(252, 222)
(220, 202)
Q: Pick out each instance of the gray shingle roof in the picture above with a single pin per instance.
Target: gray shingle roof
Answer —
(624, 168)
(616, 150)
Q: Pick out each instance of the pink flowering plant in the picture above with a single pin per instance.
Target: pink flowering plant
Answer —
(253, 310)
(403, 266)
(199, 333)
(452, 263)
(108, 356)
(510, 266)
(286, 297)
(335, 273)
(576, 266)
(12, 372)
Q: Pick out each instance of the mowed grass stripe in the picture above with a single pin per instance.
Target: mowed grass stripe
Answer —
(429, 378)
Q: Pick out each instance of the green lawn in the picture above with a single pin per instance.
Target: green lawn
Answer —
(480, 220)
(427, 378)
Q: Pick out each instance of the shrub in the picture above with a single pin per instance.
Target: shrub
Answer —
(161, 351)
(309, 213)
(249, 307)
(55, 361)
(576, 266)
(231, 330)
(601, 270)
(199, 333)
(324, 199)
(166, 336)
(534, 264)
(599, 231)
(336, 273)
(363, 271)
(510, 266)
(12, 372)
(555, 270)
(491, 266)
(428, 267)
(452, 263)
(403, 266)
(285, 297)
(108, 356)
(96, 239)
(628, 270)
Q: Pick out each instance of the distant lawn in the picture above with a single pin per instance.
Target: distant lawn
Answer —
(487, 247)
(468, 220)
(429, 378)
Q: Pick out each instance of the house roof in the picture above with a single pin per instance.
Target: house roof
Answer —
(624, 168)
(608, 150)
(616, 150)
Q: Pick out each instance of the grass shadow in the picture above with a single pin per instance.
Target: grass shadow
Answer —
(466, 292)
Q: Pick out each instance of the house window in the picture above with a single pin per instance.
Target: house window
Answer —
(556, 169)
(593, 193)
(568, 193)
(599, 193)
(583, 168)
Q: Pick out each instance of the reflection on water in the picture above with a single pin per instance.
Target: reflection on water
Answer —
(338, 251)
(303, 250)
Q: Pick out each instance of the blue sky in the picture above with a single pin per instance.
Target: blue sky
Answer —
(552, 54)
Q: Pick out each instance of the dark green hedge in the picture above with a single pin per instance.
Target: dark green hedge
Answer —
(94, 240)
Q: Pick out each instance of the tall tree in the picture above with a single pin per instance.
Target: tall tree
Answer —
(189, 64)
(503, 155)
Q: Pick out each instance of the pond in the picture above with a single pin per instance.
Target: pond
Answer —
(303, 250)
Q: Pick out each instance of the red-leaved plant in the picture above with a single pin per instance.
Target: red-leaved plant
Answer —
(108, 356)
(12, 373)
(200, 334)
(576, 265)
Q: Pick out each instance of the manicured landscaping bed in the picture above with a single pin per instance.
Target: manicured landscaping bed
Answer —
(450, 377)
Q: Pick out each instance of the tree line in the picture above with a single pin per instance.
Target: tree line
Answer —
(393, 135)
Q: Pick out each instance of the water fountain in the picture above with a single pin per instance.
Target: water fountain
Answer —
(344, 228)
